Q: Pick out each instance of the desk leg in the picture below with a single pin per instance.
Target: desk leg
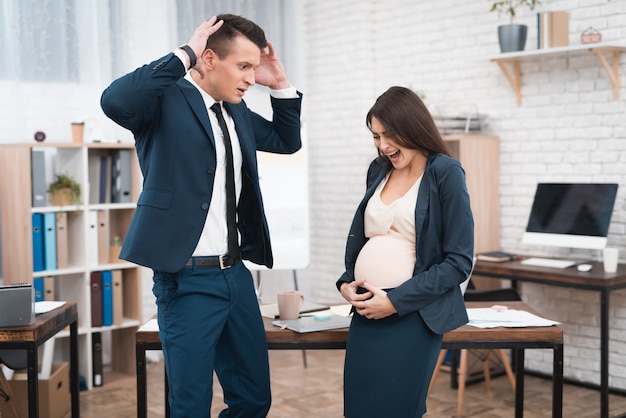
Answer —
(140, 356)
(33, 380)
(604, 353)
(557, 382)
(519, 383)
(74, 385)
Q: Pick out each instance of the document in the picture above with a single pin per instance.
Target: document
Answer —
(493, 318)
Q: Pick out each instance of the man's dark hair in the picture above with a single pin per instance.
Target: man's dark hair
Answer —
(221, 41)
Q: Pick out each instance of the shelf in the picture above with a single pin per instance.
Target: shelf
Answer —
(510, 62)
(84, 239)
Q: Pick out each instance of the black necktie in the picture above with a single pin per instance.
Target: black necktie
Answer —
(231, 202)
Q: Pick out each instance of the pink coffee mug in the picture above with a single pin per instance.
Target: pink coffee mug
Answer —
(289, 304)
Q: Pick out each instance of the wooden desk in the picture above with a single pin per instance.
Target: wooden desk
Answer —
(596, 280)
(517, 339)
(29, 337)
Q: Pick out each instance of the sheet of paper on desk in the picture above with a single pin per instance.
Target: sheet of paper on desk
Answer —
(47, 306)
(151, 325)
(490, 318)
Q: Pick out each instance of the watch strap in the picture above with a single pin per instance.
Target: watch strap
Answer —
(192, 55)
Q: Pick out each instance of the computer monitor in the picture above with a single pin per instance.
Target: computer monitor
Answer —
(571, 215)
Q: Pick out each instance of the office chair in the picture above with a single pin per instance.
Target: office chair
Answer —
(16, 360)
(474, 295)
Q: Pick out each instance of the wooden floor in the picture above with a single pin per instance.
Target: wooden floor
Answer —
(316, 392)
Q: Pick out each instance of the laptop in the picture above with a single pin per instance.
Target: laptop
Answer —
(311, 324)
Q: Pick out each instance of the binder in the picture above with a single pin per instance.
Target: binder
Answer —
(48, 288)
(92, 238)
(94, 178)
(50, 241)
(105, 179)
(96, 351)
(62, 241)
(552, 29)
(39, 290)
(103, 237)
(107, 298)
(38, 177)
(37, 229)
(96, 298)
(121, 177)
(118, 297)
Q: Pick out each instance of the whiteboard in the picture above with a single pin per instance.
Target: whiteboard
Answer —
(285, 188)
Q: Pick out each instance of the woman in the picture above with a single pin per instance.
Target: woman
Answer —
(410, 246)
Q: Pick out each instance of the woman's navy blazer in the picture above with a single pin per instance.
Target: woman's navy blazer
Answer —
(444, 244)
(176, 152)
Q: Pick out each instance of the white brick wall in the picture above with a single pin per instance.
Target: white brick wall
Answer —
(568, 128)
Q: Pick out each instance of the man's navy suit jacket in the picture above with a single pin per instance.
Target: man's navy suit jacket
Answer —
(176, 151)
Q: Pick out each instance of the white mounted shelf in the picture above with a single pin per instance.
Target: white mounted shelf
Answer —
(510, 62)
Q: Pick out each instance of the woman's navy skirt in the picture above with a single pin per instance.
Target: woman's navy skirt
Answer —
(388, 366)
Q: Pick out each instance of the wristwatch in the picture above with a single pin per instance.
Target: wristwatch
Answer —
(192, 55)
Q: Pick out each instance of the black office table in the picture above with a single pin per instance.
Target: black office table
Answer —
(596, 280)
(466, 336)
(30, 337)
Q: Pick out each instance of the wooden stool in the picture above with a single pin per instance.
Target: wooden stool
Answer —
(462, 373)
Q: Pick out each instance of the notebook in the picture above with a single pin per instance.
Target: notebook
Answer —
(311, 324)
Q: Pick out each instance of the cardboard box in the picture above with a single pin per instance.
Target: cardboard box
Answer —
(54, 394)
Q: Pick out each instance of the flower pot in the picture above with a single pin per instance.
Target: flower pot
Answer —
(61, 197)
(512, 37)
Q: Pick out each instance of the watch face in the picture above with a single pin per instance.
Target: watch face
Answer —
(40, 136)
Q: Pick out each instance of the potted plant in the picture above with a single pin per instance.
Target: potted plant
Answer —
(64, 191)
(512, 37)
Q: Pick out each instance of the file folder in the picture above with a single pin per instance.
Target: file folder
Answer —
(118, 298)
(48, 288)
(107, 298)
(37, 228)
(50, 241)
(38, 178)
(121, 177)
(39, 290)
(96, 351)
(62, 241)
(103, 237)
(96, 298)
(94, 178)
(92, 238)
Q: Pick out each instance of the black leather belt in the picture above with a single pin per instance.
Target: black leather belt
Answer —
(221, 261)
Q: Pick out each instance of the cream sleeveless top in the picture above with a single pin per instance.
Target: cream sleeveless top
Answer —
(388, 258)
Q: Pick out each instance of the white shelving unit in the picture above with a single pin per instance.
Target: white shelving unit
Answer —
(72, 283)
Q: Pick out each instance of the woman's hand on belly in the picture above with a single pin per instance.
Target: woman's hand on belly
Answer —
(349, 291)
(377, 307)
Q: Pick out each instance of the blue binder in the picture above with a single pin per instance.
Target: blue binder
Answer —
(107, 298)
(50, 241)
(38, 287)
(37, 223)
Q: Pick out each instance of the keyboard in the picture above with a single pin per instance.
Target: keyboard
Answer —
(548, 262)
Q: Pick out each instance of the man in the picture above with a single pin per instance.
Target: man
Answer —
(208, 313)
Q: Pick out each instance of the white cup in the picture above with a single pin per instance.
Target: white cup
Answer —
(289, 304)
(609, 258)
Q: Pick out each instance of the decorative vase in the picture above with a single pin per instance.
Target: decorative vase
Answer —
(61, 197)
(512, 37)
